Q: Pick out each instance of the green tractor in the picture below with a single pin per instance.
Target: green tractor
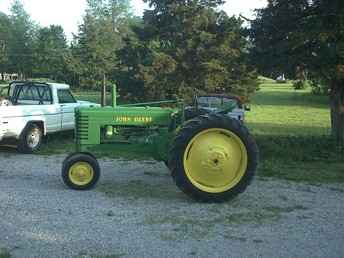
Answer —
(212, 157)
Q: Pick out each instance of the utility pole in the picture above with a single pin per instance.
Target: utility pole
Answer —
(103, 98)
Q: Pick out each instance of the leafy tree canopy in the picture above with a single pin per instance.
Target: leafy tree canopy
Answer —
(100, 35)
(51, 49)
(21, 40)
(188, 45)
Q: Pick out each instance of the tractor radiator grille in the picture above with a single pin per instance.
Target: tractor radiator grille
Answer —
(81, 132)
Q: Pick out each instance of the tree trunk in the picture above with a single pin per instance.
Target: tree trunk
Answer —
(104, 91)
(337, 110)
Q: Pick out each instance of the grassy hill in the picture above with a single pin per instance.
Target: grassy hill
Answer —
(292, 130)
(277, 109)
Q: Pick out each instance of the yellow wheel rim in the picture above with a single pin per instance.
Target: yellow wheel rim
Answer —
(215, 160)
(81, 173)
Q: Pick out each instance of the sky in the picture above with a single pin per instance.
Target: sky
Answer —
(68, 13)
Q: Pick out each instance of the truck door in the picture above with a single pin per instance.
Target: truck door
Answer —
(36, 103)
(67, 104)
(51, 110)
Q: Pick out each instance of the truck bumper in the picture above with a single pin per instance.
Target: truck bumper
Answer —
(2, 133)
(3, 130)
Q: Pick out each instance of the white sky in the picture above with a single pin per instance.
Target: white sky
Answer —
(68, 13)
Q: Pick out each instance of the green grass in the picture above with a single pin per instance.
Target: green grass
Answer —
(277, 109)
(314, 172)
(4, 253)
(136, 189)
(292, 130)
(200, 227)
(262, 79)
(94, 96)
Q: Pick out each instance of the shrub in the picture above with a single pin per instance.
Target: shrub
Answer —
(300, 84)
(300, 148)
(317, 88)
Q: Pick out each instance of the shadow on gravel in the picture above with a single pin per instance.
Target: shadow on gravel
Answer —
(138, 189)
(203, 222)
(8, 150)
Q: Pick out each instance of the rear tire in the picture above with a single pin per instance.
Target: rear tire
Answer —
(213, 158)
(80, 171)
(30, 139)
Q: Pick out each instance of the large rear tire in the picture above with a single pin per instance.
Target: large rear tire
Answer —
(213, 158)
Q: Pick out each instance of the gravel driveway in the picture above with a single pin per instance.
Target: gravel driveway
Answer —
(137, 211)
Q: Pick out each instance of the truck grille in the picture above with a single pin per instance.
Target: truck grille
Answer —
(81, 128)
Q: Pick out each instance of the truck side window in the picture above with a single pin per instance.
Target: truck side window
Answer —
(44, 93)
(65, 97)
(34, 95)
(232, 102)
(27, 95)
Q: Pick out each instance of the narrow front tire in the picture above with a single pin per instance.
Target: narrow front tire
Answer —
(80, 171)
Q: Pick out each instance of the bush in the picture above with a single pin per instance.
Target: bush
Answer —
(300, 84)
(300, 148)
(318, 89)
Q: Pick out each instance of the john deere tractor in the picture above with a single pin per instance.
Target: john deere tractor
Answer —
(212, 157)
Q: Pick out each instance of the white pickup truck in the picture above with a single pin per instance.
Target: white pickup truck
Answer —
(32, 110)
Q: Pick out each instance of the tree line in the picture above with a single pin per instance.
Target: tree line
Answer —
(175, 49)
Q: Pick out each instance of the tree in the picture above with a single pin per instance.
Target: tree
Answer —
(50, 53)
(132, 55)
(94, 51)
(21, 41)
(99, 36)
(188, 45)
(293, 33)
(97, 41)
(4, 43)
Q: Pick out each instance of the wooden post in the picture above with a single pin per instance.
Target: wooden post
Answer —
(103, 99)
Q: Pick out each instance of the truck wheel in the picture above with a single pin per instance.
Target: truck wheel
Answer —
(213, 158)
(80, 171)
(30, 139)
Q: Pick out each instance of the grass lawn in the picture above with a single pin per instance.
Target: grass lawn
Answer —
(291, 128)
(92, 96)
(277, 109)
(292, 131)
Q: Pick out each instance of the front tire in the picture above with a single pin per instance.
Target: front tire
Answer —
(80, 171)
(30, 139)
(213, 158)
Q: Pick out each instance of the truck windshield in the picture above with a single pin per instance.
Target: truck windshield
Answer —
(217, 102)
